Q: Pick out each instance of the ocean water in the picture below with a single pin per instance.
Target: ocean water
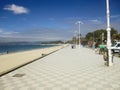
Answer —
(17, 48)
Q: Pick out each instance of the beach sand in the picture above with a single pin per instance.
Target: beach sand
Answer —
(12, 61)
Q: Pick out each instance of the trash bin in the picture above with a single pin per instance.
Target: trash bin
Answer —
(73, 46)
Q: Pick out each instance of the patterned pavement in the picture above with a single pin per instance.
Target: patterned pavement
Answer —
(66, 69)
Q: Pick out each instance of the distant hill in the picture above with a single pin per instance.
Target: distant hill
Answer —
(20, 43)
(31, 43)
(52, 42)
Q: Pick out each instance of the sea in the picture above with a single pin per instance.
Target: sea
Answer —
(5, 49)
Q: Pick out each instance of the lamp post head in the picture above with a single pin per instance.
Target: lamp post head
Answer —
(79, 22)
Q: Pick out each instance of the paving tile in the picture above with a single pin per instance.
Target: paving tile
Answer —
(66, 69)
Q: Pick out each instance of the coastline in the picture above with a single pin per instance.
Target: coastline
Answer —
(9, 51)
(12, 61)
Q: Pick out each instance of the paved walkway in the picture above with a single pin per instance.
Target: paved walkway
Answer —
(66, 69)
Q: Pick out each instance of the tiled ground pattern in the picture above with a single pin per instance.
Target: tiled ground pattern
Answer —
(67, 69)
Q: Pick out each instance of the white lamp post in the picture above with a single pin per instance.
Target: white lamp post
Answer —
(108, 34)
(102, 37)
(75, 35)
(79, 41)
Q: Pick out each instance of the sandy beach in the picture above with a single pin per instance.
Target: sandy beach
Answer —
(11, 61)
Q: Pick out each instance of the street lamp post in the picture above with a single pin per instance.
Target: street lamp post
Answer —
(102, 37)
(108, 34)
(79, 41)
(75, 35)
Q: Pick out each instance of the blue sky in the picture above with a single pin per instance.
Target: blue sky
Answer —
(44, 20)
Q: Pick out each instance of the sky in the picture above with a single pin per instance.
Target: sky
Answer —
(49, 20)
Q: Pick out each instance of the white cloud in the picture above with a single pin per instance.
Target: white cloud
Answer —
(51, 19)
(7, 33)
(115, 16)
(10, 33)
(40, 34)
(16, 9)
(95, 20)
(1, 30)
(3, 17)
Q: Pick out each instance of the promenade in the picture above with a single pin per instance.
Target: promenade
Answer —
(66, 69)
